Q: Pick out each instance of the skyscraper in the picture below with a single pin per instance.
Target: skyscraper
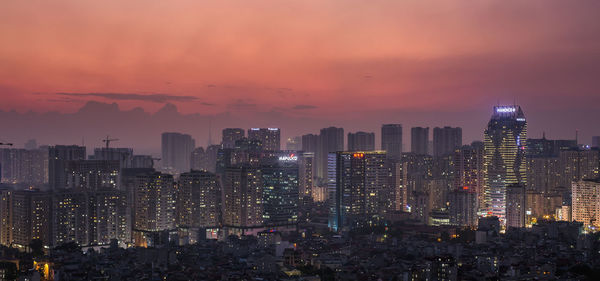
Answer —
(123, 155)
(505, 140)
(515, 205)
(330, 140)
(391, 140)
(310, 143)
(362, 188)
(176, 151)
(199, 200)
(585, 203)
(596, 141)
(280, 190)
(462, 207)
(230, 135)
(294, 144)
(269, 137)
(419, 140)
(243, 199)
(154, 202)
(92, 174)
(361, 141)
(445, 140)
(58, 155)
(305, 174)
(469, 173)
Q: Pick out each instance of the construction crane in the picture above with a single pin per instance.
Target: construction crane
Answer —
(108, 140)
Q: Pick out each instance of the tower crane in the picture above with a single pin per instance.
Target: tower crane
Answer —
(108, 140)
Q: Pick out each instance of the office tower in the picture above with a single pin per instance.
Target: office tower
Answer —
(596, 141)
(294, 144)
(361, 141)
(123, 155)
(142, 161)
(58, 155)
(92, 174)
(361, 188)
(280, 190)
(515, 205)
(30, 212)
(330, 140)
(154, 202)
(305, 174)
(230, 135)
(198, 200)
(176, 151)
(269, 137)
(22, 166)
(585, 204)
(391, 140)
(462, 207)
(504, 160)
(419, 140)
(446, 140)
(243, 199)
(310, 143)
(469, 173)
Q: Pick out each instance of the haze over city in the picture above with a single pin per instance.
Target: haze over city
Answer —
(294, 65)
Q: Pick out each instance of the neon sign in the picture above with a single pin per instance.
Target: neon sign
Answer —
(291, 157)
(506, 109)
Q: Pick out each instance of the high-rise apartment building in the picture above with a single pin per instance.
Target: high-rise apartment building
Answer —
(269, 137)
(23, 166)
(419, 140)
(230, 135)
(468, 170)
(310, 143)
(391, 140)
(361, 141)
(505, 140)
(199, 200)
(515, 206)
(92, 174)
(176, 151)
(596, 141)
(243, 197)
(585, 204)
(362, 188)
(123, 155)
(30, 212)
(446, 140)
(305, 174)
(462, 207)
(154, 202)
(57, 158)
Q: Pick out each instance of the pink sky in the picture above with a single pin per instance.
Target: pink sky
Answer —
(322, 58)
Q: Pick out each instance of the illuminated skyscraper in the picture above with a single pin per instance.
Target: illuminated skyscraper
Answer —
(362, 187)
(585, 203)
(419, 140)
(462, 207)
(198, 200)
(469, 173)
(391, 140)
(361, 141)
(504, 156)
(243, 199)
(154, 202)
(58, 155)
(305, 174)
(515, 206)
(280, 190)
(269, 137)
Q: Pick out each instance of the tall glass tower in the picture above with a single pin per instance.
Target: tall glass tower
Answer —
(504, 156)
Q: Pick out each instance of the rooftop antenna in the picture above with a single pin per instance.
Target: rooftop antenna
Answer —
(577, 136)
(209, 132)
(544, 135)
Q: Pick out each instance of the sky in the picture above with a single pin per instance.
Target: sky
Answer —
(303, 65)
